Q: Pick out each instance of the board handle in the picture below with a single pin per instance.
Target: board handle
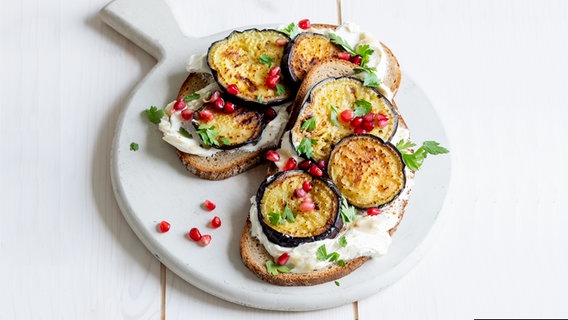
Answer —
(150, 24)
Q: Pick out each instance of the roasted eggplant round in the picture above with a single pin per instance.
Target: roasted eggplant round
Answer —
(281, 216)
(319, 127)
(228, 130)
(367, 171)
(244, 59)
(303, 52)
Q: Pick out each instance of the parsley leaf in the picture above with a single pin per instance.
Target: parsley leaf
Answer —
(274, 268)
(365, 52)
(306, 147)
(288, 214)
(208, 135)
(225, 141)
(333, 116)
(309, 124)
(184, 133)
(291, 30)
(368, 76)
(274, 218)
(362, 107)
(341, 263)
(154, 114)
(207, 95)
(134, 146)
(339, 41)
(266, 59)
(347, 212)
(343, 242)
(322, 255)
(259, 98)
(277, 218)
(337, 283)
(414, 160)
(191, 97)
(280, 89)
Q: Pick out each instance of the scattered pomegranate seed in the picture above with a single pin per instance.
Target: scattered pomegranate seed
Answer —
(344, 56)
(209, 205)
(381, 116)
(382, 123)
(206, 115)
(356, 122)
(307, 206)
(274, 71)
(281, 42)
(179, 105)
(321, 164)
(283, 259)
(232, 89)
(373, 211)
(308, 200)
(229, 107)
(357, 59)
(369, 117)
(346, 115)
(300, 193)
(219, 104)
(163, 226)
(214, 96)
(215, 222)
(272, 81)
(305, 165)
(194, 234)
(204, 240)
(269, 114)
(360, 130)
(315, 171)
(307, 186)
(367, 125)
(304, 24)
(290, 164)
(272, 155)
(187, 114)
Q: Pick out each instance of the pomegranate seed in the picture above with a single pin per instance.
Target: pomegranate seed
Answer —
(305, 165)
(281, 42)
(304, 24)
(373, 211)
(321, 164)
(357, 59)
(344, 56)
(315, 171)
(215, 222)
(356, 122)
(269, 114)
(369, 117)
(381, 116)
(272, 155)
(283, 259)
(300, 193)
(307, 186)
(360, 130)
(233, 89)
(346, 115)
(179, 105)
(214, 96)
(219, 104)
(229, 107)
(206, 115)
(382, 123)
(194, 234)
(367, 125)
(290, 164)
(308, 200)
(274, 71)
(164, 226)
(187, 114)
(204, 240)
(271, 82)
(307, 206)
(209, 205)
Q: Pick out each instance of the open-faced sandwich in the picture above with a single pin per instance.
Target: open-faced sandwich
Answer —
(342, 175)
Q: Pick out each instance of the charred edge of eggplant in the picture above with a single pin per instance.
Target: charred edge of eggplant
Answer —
(196, 124)
(388, 144)
(309, 100)
(287, 240)
(289, 56)
(238, 100)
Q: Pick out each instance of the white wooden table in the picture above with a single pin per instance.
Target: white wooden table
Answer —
(496, 72)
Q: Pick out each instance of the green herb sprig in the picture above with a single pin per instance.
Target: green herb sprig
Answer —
(275, 269)
(414, 160)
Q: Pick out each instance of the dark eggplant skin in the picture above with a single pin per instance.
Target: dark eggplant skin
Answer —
(245, 102)
(295, 117)
(255, 139)
(390, 146)
(290, 241)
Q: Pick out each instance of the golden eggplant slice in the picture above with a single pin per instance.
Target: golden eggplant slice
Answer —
(367, 171)
(281, 214)
(306, 50)
(319, 125)
(228, 130)
(244, 59)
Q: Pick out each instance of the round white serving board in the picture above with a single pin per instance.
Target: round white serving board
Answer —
(152, 185)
